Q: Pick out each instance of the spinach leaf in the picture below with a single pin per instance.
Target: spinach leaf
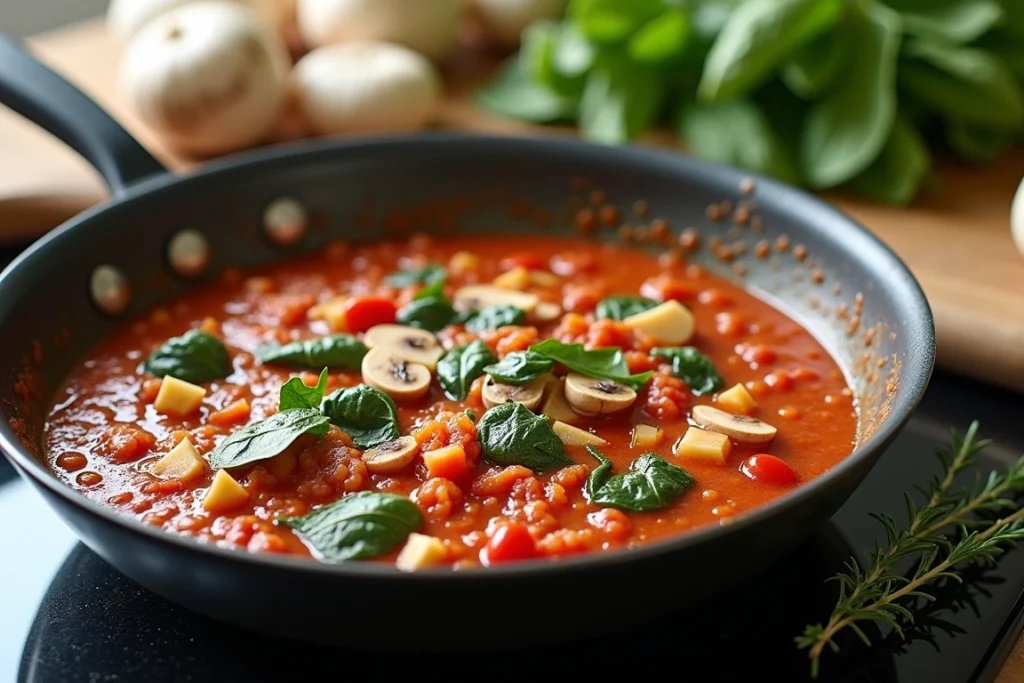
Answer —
(847, 130)
(460, 366)
(965, 84)
(336, 351)
(619, 101)
(613, 21)
(193, 357)
(515, 95)
(493, 317)
(607, 363)
(267, 438)
(955, 21)
(897, 174)
(758, 35)
(693, 367)
(520, 367)
(976, 144)
(431, 313)
(425, 275)
(368, 416)
(662, 39)
(433, 290)
(816, 66)
(364, 524)
(511, 435)
(295, 394)
(738, 133)
(652, 483)
(621, 307)
(537, 51)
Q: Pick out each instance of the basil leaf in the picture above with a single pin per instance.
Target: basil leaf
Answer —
(693, 367)
(368, 416)
(955, 21)
(520, 367)
(758, 35)
(408, 277)
(433, 290)
(897, 174)
(662, 39)
(977, 144)
(364, 524)
(515, 95)
(512, 435)
(295, 394)
(493, 317)
(336, 351)
(607, 363)
(847, 130)
(460, 366)
(193, 357)
(737, 133)
(965, 84)
(816, 66)
(431, 313)
(267, 438)
(652, 483)
(619, 101)
(621, 307)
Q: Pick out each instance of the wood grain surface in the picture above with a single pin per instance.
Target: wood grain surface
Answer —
(955, 237)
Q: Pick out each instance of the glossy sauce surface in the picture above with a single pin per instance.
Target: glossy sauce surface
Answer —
(104, 434)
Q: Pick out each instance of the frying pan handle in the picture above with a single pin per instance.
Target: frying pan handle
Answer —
(40, 95)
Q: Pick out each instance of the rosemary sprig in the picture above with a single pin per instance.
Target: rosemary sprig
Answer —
(878, 593)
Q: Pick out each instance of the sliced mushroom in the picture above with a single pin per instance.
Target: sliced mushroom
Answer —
(592, 396)
(737, 427)
(529, 394)
(391, 456)
(477, 297)
(398, 378)
(546, 312)
(408, 343)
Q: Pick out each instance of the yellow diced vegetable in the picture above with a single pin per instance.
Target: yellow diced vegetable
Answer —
(646, 436)
(178, 397)
(182, 462)
(516, 278)
(574, 436)
(463, 262)
(702, 445)
(543, 278)
(667, 323)
(421, 551)
(737, 400)
(555, 406)
(225, 494)
(332, 311)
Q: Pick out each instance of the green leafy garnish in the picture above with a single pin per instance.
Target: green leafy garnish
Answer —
(520, 367)
(607, 363)
(336, 351)
(493, 317)
(364, 524)
(193, 357)
(511, 435)
(367, 415)
(295, 394)
(693, 367)
(621, 307)
(652, 483)
(426, 275)
(432, 313)
(460, 366)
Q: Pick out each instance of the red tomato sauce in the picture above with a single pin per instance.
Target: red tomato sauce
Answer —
(104, 434)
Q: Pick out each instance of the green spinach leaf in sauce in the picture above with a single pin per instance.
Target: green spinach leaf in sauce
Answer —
(652, 483)
(511, 435)
(336, 351)
(196, 356)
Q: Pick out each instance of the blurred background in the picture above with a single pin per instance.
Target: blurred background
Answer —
(21, 18)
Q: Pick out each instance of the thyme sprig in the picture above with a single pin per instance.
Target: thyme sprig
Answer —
(984, 516)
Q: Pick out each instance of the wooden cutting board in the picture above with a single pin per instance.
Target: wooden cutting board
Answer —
(955, 238)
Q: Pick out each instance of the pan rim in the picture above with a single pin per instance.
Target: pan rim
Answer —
(917, 328)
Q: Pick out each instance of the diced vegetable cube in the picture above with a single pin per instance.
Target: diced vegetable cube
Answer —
(236, 413)
(517, 278)
(225, 494)
(737, 400)
(703, 445)
(331, 311)
(554, 404)
(182, 462)
(177, 397)
(646, 436)
(421, 551)
(667, 323)
(463, 262)
(574, 436)
(448, 462)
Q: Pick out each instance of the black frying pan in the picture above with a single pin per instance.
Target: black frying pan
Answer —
(91, 275)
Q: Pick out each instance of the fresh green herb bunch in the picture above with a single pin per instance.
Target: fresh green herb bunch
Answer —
(822, 93)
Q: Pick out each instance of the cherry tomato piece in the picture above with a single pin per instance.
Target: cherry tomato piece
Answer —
(769, 470)
(363, 312)
(510, 542)
(522, 259)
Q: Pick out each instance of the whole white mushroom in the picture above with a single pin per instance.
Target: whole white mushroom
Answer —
(1017, 218)
(429, 27)
(505, 20)
(207, 76)
(365, 87)
(126, 17)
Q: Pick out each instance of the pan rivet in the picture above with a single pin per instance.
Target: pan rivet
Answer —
(285, 221)
(189, 253)
(110, 290)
